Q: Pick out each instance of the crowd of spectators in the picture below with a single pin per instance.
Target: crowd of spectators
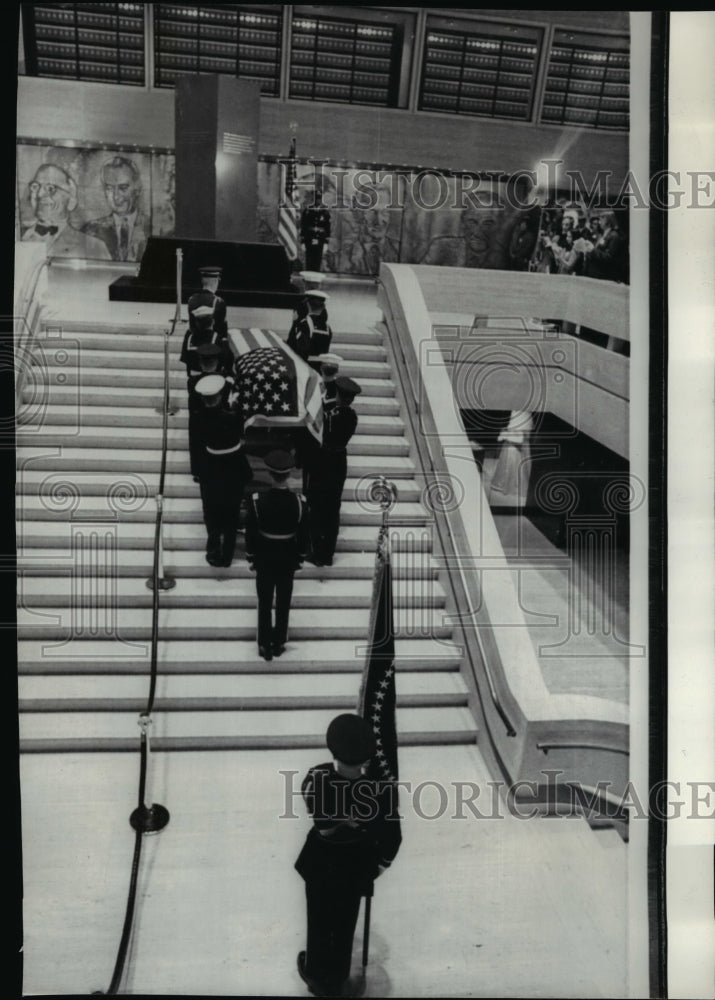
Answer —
(572, 241)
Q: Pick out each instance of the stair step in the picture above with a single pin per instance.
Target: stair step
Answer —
(237, 725)
(126, 346)
(237, 692)
(50, 534)
(133, 379)
(151, 397)
(73, 356)
(188, 510)
(78, 459)
(219, 656)
(70, 327)
(65, 415)
(149, 439)
(205, 594)
(191, 563)
(55, 622)
(90, 483)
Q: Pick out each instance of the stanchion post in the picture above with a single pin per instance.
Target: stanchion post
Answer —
(148, 817)
(179, 270)
(163, 582)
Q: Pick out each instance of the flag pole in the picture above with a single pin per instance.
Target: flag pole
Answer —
(383, 493)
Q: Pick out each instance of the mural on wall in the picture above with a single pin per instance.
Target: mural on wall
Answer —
(415, 217)
(103, 204)
(95, 204)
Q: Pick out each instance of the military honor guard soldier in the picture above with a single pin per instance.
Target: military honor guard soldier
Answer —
(306, 446)
(211, 361)
(223, 469)
(347, 848)
(314, 231)
(202, 331)
(329, 370)
(328, 471)
(210, 278)
(276, 546)
(312, 335)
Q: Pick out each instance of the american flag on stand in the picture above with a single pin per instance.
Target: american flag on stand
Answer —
(288, 210)
(275, 387)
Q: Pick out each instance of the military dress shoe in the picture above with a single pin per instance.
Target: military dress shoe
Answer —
(314, 987)
(279, 648)
(266, 652)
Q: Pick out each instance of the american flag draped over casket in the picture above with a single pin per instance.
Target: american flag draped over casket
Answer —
(275, 387)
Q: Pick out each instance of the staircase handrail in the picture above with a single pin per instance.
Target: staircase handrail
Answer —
(523, 704)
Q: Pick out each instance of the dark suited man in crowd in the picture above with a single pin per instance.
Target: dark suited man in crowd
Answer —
(314, 231)
(349, 845)
(223, 469)
(276, 546)
(328, 470)
(53, 196)
(126, 228)
(607, 257)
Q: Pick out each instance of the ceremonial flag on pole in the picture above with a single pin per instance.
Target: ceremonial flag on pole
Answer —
(275, 387)
(377, 698)
(288, 210)
(376, 704)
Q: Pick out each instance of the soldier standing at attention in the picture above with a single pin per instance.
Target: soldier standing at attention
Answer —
(312, 335)
(314, 231)
(350, 844)
(328, 472)
(276, 544)
(223, 469)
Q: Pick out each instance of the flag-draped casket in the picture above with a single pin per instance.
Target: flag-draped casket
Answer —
(276, 388)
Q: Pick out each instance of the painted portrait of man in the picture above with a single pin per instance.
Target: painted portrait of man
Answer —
(53, 196)
(125, 228)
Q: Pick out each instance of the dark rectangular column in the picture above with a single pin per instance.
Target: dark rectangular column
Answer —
(217, 120)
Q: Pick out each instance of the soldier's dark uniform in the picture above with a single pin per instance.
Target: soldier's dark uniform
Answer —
(223, 469)
(202, 331)
(206, 297)
(306, 446)
(276, 545)
(211, 360)
(328, 471)
(352, 839)
(314, 231)
(311, 335)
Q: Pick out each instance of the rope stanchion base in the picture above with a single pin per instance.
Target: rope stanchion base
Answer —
(171, 410)
(152, 820)
(163, 583)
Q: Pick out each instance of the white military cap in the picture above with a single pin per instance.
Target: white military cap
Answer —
(326, 359)
(201, 311)
(210, 385)
(316, 293)
(315, 277)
